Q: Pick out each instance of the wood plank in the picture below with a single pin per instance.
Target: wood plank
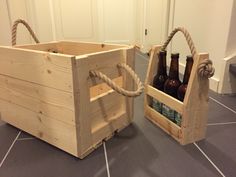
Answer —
(152, 65)
(103, 88)
(47, 69)
(82, 48)
(129, 84)
(107, 129)
(50, 102)
(55, 132)
(164, 98)
(82, 104)
(105, 62)
(152, 68)
(50, 46)
(196, 105)
(164, 123)
(105, 108)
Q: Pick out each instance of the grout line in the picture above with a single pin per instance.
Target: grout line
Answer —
(223, 123)
(105, 153)
(24, 139)
(223, 105)
(4, 158)
(212, 163)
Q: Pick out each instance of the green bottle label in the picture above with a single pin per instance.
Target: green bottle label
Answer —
(157, 105)
(168, 112)
(178, 118)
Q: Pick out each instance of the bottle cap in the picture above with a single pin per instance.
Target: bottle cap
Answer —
(189, 57)
(175, 55)
(162, 53)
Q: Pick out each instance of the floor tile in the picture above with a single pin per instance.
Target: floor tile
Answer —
(39, 159)
(25, 135)
(141, 67)
(7, 136)
(1, 122)
(220, 146)
(228, 100)
(133, 153)
(144, 150)
(219, 114)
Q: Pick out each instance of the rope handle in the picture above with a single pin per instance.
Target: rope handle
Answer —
(205, 68)
(117, 88)
(14, 31)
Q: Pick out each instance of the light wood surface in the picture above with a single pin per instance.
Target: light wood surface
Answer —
(53, 97)
(57, 133)
(53, 103)
(42, 68)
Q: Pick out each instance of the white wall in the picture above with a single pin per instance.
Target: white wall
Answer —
(208, 23)
(211, 24)
(5, 37)
(231, 44)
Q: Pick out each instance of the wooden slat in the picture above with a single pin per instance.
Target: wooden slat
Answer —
(196, 105)
(164, 98)
(152, 65)
(152, 68)
(103, 88)
(105, 108)
(47, 69)
(55, 132)
(50, 102)
(128, 58)
(107, 129)
(164, 123)
(82, 48)
(82, 104)
(105, 62)
(41, 47)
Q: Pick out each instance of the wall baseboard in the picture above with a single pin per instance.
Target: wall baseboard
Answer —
(227, 83)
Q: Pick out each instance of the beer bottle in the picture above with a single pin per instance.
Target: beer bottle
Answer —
(161, 76)
(159, 79)
(183, 87)
(171, 85)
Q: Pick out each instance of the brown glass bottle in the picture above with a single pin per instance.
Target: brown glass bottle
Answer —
(159, 79)
(161, 75)
(172, 83)
(183, 87)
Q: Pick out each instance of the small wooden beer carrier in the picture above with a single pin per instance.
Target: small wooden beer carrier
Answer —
(194, 108)
(59, 91)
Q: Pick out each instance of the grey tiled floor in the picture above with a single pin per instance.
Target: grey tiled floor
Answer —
(141, 149)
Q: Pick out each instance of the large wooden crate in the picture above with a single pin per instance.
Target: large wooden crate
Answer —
(47, 90)
(193, 109)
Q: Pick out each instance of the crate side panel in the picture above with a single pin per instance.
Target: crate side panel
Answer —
(43, 68)
(196, 105)
(82, 104)
(128, 59)
(52, 103)
(105, 108)
(54, 132)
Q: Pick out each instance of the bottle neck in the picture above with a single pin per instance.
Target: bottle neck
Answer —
(187, 71)
(161, 66)
(174, 69)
